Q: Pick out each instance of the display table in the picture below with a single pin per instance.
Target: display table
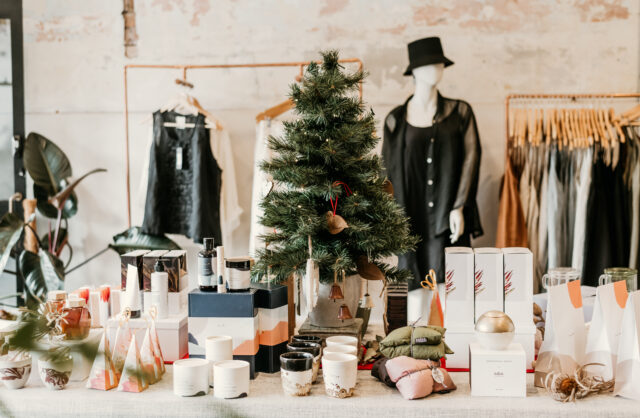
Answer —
(266, 399)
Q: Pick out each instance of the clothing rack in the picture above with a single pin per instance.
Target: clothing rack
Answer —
(571, 97)
(185, 68)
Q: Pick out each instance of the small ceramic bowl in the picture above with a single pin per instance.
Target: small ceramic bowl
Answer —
(342, 340)
(307, 339)
(296, 369)
(311, 348)
(341, 348)
(15, 373)
(55, 375)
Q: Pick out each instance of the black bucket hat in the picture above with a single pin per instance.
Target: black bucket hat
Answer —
(425, 52)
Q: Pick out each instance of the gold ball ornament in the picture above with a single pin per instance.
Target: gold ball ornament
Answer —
(495, 330)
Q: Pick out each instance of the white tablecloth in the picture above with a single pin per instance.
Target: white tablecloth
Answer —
(266, 399)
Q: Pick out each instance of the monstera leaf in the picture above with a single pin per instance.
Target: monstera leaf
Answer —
(42, 272)
(10, 230)
(49, 168)
(134, 239)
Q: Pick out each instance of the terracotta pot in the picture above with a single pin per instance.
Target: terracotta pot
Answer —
(15, 373)
(325, 314)
(55, 375)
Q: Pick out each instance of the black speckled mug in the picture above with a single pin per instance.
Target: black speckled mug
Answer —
(307, 339)
(308, 347)
(296, 372)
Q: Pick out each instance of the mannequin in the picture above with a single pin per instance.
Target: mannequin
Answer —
(421, 110)
(431, 152)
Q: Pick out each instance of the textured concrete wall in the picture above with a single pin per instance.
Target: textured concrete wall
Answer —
(74, 92)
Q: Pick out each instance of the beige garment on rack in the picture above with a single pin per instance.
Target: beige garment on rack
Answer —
(230, 209)
(512, 230)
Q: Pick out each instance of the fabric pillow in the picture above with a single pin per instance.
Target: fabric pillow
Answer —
(412, 377)
(379, 370)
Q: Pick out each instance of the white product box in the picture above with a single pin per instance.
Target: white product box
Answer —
(459, 271)
(458, 339)
(526, 337)
(498, 372)
(243, 330)
(172, 334)
(488, 281)
(177, 302)
(518, 285)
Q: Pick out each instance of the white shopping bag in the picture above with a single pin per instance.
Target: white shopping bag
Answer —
(628, 364)
(604, 332)
(565, 335)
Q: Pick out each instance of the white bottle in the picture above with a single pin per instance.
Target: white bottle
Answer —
(222, 285)
(132, 293)
(160, 289)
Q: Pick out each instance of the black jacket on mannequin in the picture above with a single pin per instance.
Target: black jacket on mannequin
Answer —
(451, 165)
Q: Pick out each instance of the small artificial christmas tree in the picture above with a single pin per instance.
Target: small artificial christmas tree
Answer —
(329, 193)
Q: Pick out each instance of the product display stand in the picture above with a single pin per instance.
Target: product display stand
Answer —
(353, 330)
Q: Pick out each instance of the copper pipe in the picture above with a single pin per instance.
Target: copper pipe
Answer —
(184, 69)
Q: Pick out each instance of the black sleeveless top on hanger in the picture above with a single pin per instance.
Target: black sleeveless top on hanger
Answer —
(183, 192)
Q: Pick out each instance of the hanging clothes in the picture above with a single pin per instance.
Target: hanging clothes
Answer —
(512, 229)
(208, 206)
(541, 254)
(262, 182)
(556, 206)
(632, 140)
(583, 183)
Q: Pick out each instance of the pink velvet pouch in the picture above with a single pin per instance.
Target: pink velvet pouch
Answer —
(413, 377)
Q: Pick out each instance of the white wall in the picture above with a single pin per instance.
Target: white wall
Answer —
(74, 79)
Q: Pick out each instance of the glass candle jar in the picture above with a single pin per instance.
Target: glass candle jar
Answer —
(238, 273)
(614, 274)
(76, 323)
(56, 300)
(559, 275)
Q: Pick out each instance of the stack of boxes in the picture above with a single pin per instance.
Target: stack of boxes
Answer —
(172, 331)
(487, 279)
(256, 320)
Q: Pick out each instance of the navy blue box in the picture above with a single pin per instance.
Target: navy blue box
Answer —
(270, 297)
(222, 305)
(268, 358)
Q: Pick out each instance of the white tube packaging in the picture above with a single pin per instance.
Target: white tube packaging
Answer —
(221, 282)
(160, 292)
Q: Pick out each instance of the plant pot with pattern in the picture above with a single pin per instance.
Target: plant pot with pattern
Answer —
(55, 371)
(15, 370)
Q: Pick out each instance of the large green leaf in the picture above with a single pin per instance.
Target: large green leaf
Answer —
(134, 239)
(46, 163)
(63, 195)
(47, 209)
(62, 240)
(10, 230)
(42, 272)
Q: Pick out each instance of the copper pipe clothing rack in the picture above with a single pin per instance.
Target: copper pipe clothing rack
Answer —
(185, 68)
(572, 97)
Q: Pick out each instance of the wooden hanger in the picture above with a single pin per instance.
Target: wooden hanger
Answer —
(616, 125)
(275, 111)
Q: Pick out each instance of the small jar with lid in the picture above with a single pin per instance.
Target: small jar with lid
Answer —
(56, 300)
(76, 323)
(238, 273)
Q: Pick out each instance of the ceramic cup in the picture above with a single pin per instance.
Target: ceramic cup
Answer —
(231, 379)
(340, 372)
(341, 348)
(307, 339)
(55, 374)
(296, 370)
(15, 373)
(218, 348)
(342, 340)
(311, 348)
(191, 377)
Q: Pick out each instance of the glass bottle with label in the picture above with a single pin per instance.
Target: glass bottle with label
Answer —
(206, 262)
(77, 319)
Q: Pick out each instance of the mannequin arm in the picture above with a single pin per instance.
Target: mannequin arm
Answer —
(456, 224)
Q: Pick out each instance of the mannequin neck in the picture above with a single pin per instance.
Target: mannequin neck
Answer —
(423, 106)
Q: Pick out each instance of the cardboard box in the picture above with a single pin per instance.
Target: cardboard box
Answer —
(135, 259)
(273, 317)
(488, 281)
(498, 372)
(518, 286)
(243, 331)
(172, 334)
(148, 264)
(458, 339)
(222, 305)
(459, 294)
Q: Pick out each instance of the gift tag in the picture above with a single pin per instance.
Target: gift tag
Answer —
(179, 158)
(438, 376)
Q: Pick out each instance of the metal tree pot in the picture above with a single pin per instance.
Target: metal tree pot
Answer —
(325, 314)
